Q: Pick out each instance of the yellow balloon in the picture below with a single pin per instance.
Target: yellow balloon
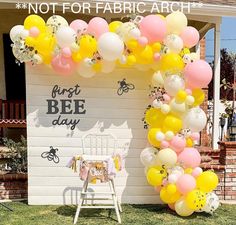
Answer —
(189, 142)
(195, 199)
(97, 67)
(113, 26)
(131, 60)
(76, 56)
(207, 181)
(171, 189)
(199, 96)
(181, 96)
(152, 137)
(30, 41)
(172, 123)
(154, 117)
(184, 52)
(132, 44)
(156, 47)
(188, 170)
(34, 21)
(145, 56)
(88, 45)
(171, 62)
(155, 175)
(182, 209)
(169, 198)
(45, 43)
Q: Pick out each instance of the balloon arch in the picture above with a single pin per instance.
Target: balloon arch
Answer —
(174, 120)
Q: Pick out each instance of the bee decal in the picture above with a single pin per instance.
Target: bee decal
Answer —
(124, 87)
(51, 155)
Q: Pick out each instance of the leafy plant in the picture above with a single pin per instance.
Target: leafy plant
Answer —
(17, 155)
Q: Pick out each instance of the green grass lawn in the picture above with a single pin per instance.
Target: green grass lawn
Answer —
(132, 214)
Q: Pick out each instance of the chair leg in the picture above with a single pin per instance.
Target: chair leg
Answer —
(113, 185)
(81, 201)
(115, 202)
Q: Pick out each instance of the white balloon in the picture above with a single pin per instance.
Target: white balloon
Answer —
(172, 178)
(190, 100)
(24, 33)
(165, 108)
(148, 156)
(15, 31)
(135, 33)
(169, 135)
(173, 84)
(195, 119)
(110, 46)
(85, 70)
(55, 22)
(125, 31)
(65, 36)
(158, 79)
(177, 170)
(108, 66)
(174, 43)
(182, 209)
(167, 156)
(38, 59)
(178, 108)
(157, 104)
(212, 203)
(160, 136)
(74, 47)
(123, 59)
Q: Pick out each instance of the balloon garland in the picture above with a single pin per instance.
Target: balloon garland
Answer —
(174, 119)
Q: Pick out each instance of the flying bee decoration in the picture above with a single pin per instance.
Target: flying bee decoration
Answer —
(51, 155)
(124, 87)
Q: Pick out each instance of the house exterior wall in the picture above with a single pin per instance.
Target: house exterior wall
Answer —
(106, 112)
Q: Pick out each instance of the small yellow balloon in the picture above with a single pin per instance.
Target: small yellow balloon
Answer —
(97, 67)
(172, 123)
(34, 21)
(207, 181)
(113, 26)
(145, 56)
(195, 199)
(130, 60)
(184, 52)
(88, 45)
(188, 170)
(171, 62)
(199, 96)
(171, 189)
(169, 198)
(30, 41)
(181, 96)
(156, 47)
(189, 142)
(155, 175)
(76, 56)
(152, 137)
(154, 117)
(132, 45)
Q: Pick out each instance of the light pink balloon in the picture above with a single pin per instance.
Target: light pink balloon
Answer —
(157, 189)
(153, 28)
(142, 41)
(97, 26)
(172, 178)
(66, 52)
(164, 182)
(185, 184)
(157, 56)
(79, 26)
(190, 36)
(166, 97)
(189, 157)
(165, 144)
(178, 143)
(63, 65)
(34, 32)
(198, 74)
(195, 136)
(196, 171)
(188, 91)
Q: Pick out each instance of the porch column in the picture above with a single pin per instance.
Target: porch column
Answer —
(216, 95)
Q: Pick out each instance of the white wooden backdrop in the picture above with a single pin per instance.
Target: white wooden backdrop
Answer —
(107, 112)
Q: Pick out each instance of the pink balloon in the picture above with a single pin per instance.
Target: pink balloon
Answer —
(198, 74)
(196, 171)
(172, 206)
(164, 182)
(34, 32)
(165, 144)
(185, 184)
(66, 52)
(97, 26)
(172, 178)
(157, 56)
(188, 91)
(153, 27)
(142, 41)
(157, 189)
(79, 26)
(195, 136)
(189, 157)
(166, 97)
(190, 36)
(63, 65)
(178, 143)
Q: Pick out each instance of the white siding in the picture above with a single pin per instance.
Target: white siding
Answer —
(107, 112)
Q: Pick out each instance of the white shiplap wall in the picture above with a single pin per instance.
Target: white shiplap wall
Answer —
(107, 112)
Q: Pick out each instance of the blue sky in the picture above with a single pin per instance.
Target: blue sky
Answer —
(228, 32)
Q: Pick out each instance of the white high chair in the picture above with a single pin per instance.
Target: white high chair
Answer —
(98, 147)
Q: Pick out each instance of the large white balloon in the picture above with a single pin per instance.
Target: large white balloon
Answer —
(110, 46)
(158, 79)
(177, 108)
(167, 157)
(55, 22)
(182, 209)
(212, 203)
(195, 119)
(127, 31)
(148, 156)
(65, 36)
(176, 22)
(173, 84)
(174, 43)
(15, 31)
(85, 70)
